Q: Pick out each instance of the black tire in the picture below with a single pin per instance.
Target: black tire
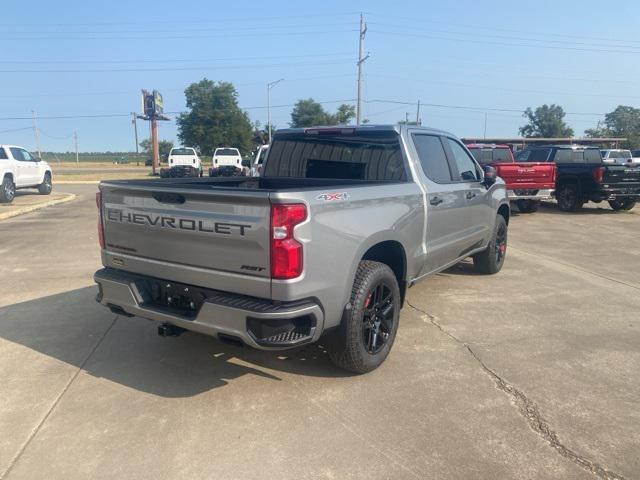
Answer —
(626, 204)
(490, 260)
(7, 190)
(528, 206)
(368, 329)
(568, 198)
(45, 187)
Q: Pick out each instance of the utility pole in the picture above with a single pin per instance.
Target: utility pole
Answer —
(485, 125)
(135, 131)
(418, 114)
(361, 60)
(270, 85)
(36, 132)
(406, 118)
(75, 141)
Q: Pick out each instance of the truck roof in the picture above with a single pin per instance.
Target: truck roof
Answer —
(486, 145)
(353, 129)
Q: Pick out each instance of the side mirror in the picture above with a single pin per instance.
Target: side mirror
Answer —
(490, 176)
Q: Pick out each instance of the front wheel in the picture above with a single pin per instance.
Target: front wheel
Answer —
(528, 206)
(490, 260)
(364, 338)
(626, 204)
(568, 198)
(7, 190)
(45, 187)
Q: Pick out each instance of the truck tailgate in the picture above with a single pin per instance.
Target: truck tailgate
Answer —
(221, 235)
(621, 175)
(527, 176)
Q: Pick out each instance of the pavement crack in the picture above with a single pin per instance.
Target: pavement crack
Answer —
(527, 408)
(55, 403)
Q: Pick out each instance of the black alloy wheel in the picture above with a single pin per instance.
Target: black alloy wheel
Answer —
(377, 321)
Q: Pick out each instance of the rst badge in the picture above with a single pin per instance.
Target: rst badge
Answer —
(331, 197)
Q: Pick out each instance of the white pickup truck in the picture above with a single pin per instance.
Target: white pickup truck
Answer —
(20, 169)
(227, 162)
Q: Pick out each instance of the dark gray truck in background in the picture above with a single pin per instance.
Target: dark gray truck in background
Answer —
(324, 244)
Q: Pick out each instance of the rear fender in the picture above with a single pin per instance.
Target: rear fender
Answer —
(375, 239)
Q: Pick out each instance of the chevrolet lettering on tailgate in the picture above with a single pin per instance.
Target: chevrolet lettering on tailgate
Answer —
(170, 222)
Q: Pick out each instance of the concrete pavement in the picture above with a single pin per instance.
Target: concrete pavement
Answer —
(532, 373)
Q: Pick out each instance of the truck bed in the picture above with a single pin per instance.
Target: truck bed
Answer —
(239, 183)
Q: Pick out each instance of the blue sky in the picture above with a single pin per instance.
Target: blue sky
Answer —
(75, 58)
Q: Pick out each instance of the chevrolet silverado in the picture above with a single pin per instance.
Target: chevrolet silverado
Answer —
(323, 244)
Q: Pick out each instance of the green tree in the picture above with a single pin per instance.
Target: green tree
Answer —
(164, 147)
(344, 114)
(309, 113)
(624, 121)
(546, 121)
(214, 118)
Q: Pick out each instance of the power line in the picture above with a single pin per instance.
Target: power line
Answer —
(486, 87)
(510, 37)
(16, 129)
(136, 92)
(173, 60)
(175, 21)
(507, 44)
(172, 68)
(178, 37)
(496, 28)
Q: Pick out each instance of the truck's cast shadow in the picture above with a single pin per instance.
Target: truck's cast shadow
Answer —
(73, 328)
(588, 209)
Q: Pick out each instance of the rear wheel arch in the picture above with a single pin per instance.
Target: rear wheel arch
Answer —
(392, 254)
(505, 211)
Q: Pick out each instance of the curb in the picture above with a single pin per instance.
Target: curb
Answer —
(77, 182)
(33, 208)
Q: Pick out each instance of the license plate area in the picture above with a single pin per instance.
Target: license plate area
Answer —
(171, 297)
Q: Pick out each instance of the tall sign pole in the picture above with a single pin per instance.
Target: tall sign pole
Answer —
(154, 145)
(361, 60)
(152, 109)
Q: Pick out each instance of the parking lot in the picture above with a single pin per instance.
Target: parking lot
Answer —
(531, 373)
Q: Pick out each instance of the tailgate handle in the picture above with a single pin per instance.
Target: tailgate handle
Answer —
(164, 197)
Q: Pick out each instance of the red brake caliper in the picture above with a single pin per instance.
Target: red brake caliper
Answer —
(367, 302)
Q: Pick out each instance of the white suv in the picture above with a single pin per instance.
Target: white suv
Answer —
(19, 169)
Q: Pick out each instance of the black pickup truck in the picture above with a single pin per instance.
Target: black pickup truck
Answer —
(582, 176)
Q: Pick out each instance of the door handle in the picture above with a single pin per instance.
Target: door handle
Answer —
(436, 201)
(470, 195)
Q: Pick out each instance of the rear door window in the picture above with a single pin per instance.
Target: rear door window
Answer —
(502, 155)
(432, 158)
(467, 170)
(3, 154)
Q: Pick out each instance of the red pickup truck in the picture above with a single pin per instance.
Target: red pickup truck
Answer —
(527, 183)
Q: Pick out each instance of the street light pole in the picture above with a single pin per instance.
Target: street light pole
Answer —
(270, 85)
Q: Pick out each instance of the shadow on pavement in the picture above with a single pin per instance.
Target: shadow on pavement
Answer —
(68, 326)
(590, 209)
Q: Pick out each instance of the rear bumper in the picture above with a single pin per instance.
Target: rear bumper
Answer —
(624, 192)
(259, 323)
(544, 194)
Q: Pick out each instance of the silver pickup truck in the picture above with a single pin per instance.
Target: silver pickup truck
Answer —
(324, 244)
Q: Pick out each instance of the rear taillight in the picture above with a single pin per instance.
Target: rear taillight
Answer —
(100, 222)
(286, 251)
(598, 174)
